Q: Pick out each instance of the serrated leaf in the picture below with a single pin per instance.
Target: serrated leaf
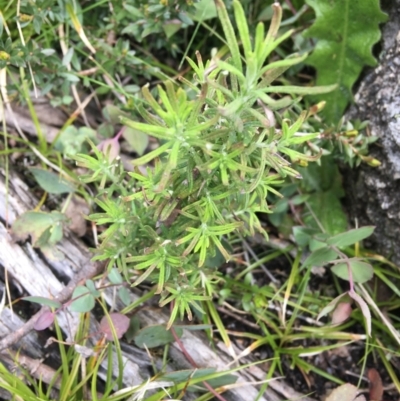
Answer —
(43, 301)
(346, 31)
(83, 300)
(351, 237)
(361, 271)
(51, 182)
(155, 336)
(321, 257)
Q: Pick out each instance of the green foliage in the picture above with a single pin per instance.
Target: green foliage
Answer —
(346, 30)
(220, 156)
(155, 336)
(45, 229)
(83, 299)
(50, 182)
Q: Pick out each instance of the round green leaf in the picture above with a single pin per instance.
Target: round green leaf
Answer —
(44, 321)
(83, 300)
(92, 288)
(50, 182)
(361, 271)
(120, 323)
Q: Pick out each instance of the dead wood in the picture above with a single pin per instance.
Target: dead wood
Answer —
(40, 276)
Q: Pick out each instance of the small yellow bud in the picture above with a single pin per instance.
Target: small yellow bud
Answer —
(352, 132)
(316, 108)
(302, 162)
(4, 55)
(25, 17)
(374, 162)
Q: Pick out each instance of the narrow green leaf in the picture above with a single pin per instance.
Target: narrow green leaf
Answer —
(43, 301)
(300, 90)
(243, 28)
(51, 182)
(229, 34)
(361, 271)
(346, 31)
(364, 310)
(286, 63)
(351, 237)
(157, 131)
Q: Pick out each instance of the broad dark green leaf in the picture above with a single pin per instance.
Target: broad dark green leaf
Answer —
(155, 336)
(321, 257)
(327, 208)
(346, 30)
(351, 237)
(361, 271)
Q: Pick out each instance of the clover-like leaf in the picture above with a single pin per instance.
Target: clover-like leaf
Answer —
(51, 182)
(119, 322)
(83, 300)
(361, 272)
(45, 320)
(341, 313)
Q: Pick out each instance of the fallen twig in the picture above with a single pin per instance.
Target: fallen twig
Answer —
(87, 272)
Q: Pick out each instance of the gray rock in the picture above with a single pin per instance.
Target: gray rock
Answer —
(373, 194)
